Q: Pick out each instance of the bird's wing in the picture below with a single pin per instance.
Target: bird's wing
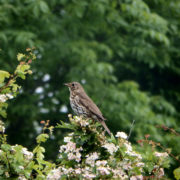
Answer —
(90, 105)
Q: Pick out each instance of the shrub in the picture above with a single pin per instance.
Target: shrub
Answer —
(87, 153)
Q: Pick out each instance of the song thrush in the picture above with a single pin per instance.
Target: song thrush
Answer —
(82, 104)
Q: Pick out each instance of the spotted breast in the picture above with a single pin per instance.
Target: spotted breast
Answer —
(77, 107)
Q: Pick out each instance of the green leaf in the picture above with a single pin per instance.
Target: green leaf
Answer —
(43, 7)
(23, 67)
(3, 75)
(15, 87)
(3, 37)
(65, 126)
(20, 56)
(1, 170)
(177, 173)
(112, 139)
(20, 74)
(42, 138)
(5, 147)
(39, 150)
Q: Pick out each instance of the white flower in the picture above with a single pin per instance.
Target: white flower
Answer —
(158, 154)
(21, 167)
(103, 170)
(21, 177)
(74, 156)
(139, 177)
(83, 123)
(77, 118)
(2, 129)
(62, 148)
(3, 98)
(87, 175)
(119, 174)
(67, 139)
(27, 154)
(9, 96)
(55, 174)
(138, 156)
(71, 156)
(161, 173)
(128, 147)
(70, 146)
(132, 153)
(101, 163)
(73, 153)
(71, 134)
(67, 171)
(111, 148)
(78, 171)
(121, 135)
(139, 164)
(64, 170)
(91, 158)
(127, 166)
(78, 156)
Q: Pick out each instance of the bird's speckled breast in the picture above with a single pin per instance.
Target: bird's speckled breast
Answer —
(77, 107)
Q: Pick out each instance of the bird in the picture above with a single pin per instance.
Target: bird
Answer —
(82, 104)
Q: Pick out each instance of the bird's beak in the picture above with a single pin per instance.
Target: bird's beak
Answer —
(67, 84)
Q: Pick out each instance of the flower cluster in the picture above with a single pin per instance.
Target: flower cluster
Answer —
(111, 148)
(2, 128)
(5, 97)
(27, 154)
(121, 135)
(80, 121)
(54, 174)
(158, 154)
(70, 150)
(90, 158)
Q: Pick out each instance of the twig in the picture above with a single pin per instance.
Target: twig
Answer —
(162, 147)
(167, 128)
(131, 129)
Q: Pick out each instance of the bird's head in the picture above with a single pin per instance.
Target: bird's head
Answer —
(74, 86)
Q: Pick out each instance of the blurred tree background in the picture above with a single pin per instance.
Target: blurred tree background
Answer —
(124, 52)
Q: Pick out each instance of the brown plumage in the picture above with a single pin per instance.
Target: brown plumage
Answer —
(82, 104)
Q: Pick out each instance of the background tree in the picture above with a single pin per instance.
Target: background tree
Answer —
(125, 52)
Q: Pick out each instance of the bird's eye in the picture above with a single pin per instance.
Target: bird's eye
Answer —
(72, 84)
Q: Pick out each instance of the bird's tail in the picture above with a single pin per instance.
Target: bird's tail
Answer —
(105, 127)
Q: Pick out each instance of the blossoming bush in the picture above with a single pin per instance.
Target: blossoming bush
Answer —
(87, 153)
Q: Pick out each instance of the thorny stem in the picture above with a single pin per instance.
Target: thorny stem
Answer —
(157, 144)
(162, 147)
(167, 128)
(14, 76)
(7, 84)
